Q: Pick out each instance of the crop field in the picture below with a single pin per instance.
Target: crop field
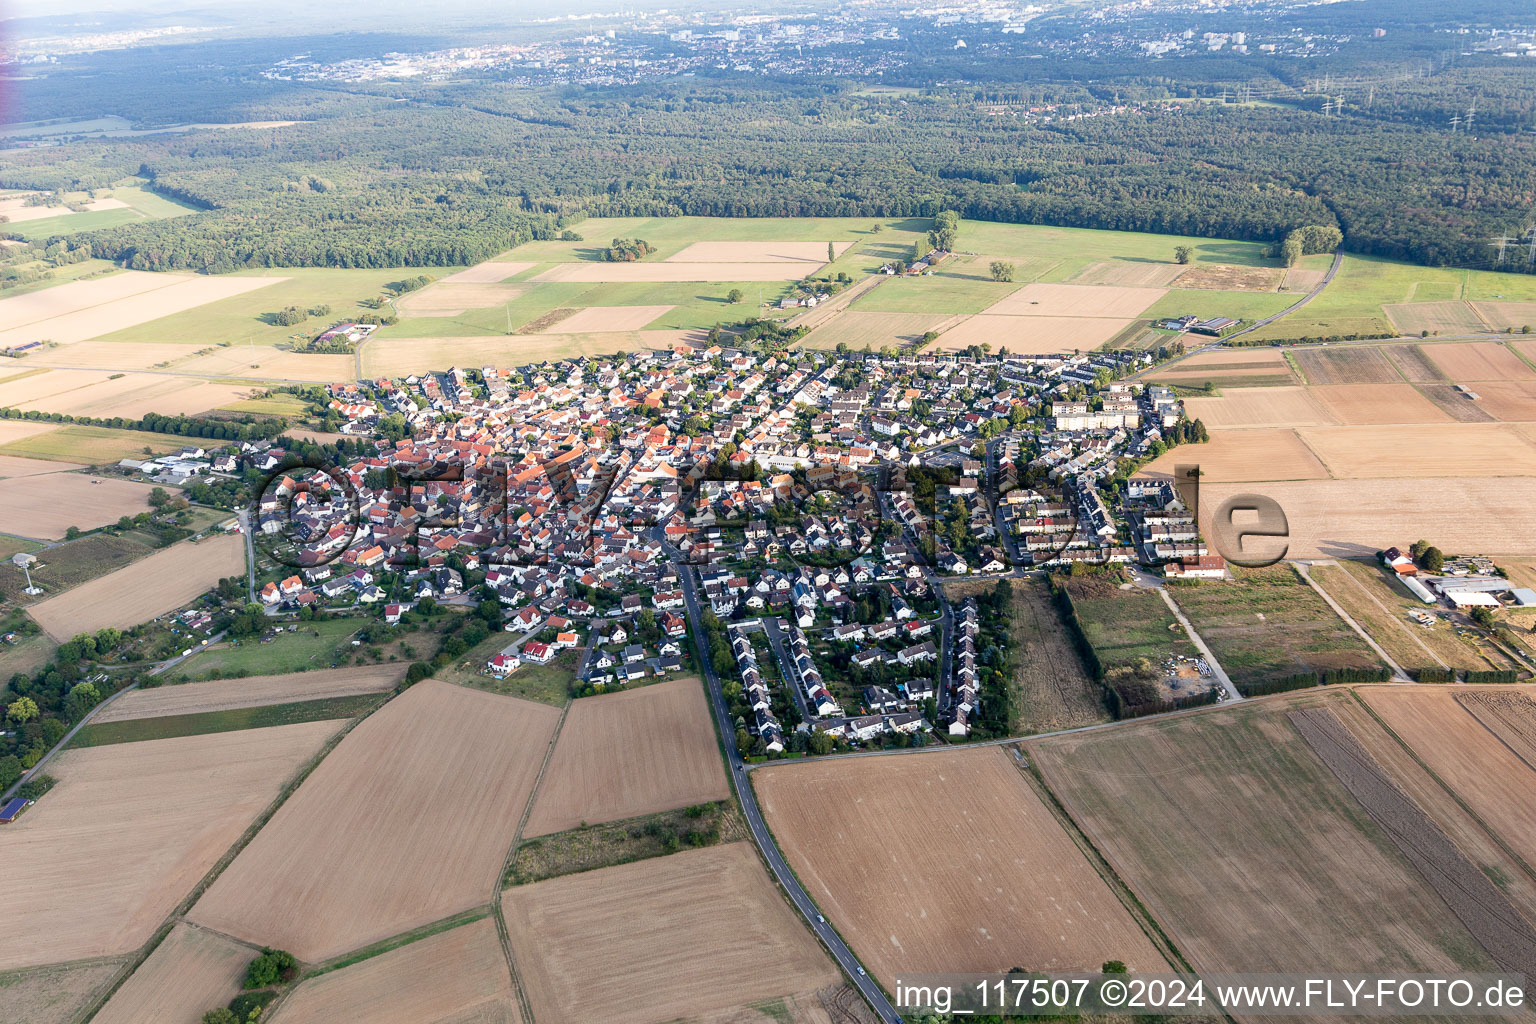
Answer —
(1052, 689)
(14, 466)
(1235, 456)
(987, 876)
(1134, 275)
(1453, 317)
(189, 973)
(620, 755)
(127, 204)
(1381, 605)
(1506, 316)
(589, 847)
(143, 590)
(264, 716)
(1377, 403)
(1469, 739)
(626, 273)
(458, 975)
(1414, 363)
(1260, 407)
(126, 833)
(1269, 624)
(445, 298)
(812, 253)
(54, 995)
(1226, 278)
(46, 506)
(490, 272)
(941, 293)
(1302, 279)
(856, 329)
(1458, 405)
(1352, 365)
(657, 940)
(396, 356)
(254, 691)
(1069, 300)
(1411, 450)
(1019, 240)
(1232, 377)
(1247, 850)
(1237, 305)
(1480, 361)
(102, 305)
(406, 822)
(87, 393)
(1508, 400)
(604, 319)
(1032, 335)
(73, 562)
(1351, 518)
(1124, 626)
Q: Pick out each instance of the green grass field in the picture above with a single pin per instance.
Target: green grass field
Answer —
(315, 645)
(547, 684)
(1026, 240)
(234, 720)
(279, 403)
(1126, 626)
(1237, 305)
(60, 275)
(937, 294)
(142, 205)
(92, 446)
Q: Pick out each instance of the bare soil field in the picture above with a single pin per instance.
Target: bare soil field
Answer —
(95, 393)
(1505, 316)
(1378, 403)
(1350, 518)
(397, 356)
(1227, 377)
(46, 506)
(455, 977)
(16, 430)
(445, 298)
(1410, 450)
(97, 865)
(1485, 911)
(1034, 335)
(1247, 850)
(1136, 275)
(1260, 407)
(1299, 280)
(406, 822)
(250, 692)
(1236, 456)
(620, 273)
(1478, 361)
(14, 466)
(654, 941)
(54, 995)
(116, 356)
(191, 972)
(857, 329)
(1454, 316)
(490, 272)
(621, 755)
(1508, 400)
(148, 588)
(267, 363)
(75, 296)
(1466, 752)
(1509, 715)
(1359, 365)
(88, 314)
(1456, 404)
(814, 253)
(1234, 357)
(1223, 277)
(986, 874)
(1415, 365)
(599, 319)
(1075, 300)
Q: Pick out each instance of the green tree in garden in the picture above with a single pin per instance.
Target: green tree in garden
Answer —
(22, 710)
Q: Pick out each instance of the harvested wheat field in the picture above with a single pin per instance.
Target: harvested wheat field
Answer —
(130, 828)
(449, 298)
(1458, 405)
(1260, 407)
(1257, 376)
(490, 272)
(116, 356)
(1231, 358)
(624, 754)
(1349, 518)
(621, 273)
(857, 329)
(144, 590)
(1247, 850)
(266, 363)
(1040, 299)
(1029, 336)
(251, 692)
(1448, 317)
(1447, 449)
(14, 466)
(188, 974)
(391, 357)
(987, 879)
(1459, 733)
(1118, 272)
(48, 505)
(1479, 361)
(1298, 280)
(75, 296)
(455, 977)
(1237, 456)
(756, 252)
(129, 395)
(611, 318)
(1378, 403)
(1358, 365)
(406, 822)
(1224, 277)
(1508, 400)
(54, 995)
(1507, 316)
(96, 310)
(656, 940)
(18, 430)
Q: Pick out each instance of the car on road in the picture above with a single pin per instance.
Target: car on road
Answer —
(861, 972)
(820, 919)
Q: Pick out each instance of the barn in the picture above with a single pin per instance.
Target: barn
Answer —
(12, 810)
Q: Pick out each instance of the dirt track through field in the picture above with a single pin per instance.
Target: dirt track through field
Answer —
(1470, 894)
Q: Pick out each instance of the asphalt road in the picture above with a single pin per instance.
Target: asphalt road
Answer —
(760, 834)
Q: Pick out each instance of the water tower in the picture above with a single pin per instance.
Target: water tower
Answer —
(24, 562)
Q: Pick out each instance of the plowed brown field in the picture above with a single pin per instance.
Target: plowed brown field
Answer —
(1481, 360)
(187, 975)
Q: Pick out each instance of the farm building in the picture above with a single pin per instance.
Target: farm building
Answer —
(12, 810)
(1217, 326)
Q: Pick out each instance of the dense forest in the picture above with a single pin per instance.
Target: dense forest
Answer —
(422, 174)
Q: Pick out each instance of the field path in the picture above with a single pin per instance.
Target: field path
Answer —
(1210, 658)
(1398, 675)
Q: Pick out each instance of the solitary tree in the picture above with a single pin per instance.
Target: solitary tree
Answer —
(1183, 254)
(733, 296)
(1002, 270)
(831, 252)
